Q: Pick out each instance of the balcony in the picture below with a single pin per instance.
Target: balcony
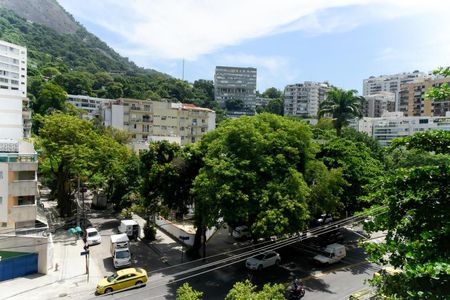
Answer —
(23, 188)
(23, 166)
(16, 157)
(23, 213)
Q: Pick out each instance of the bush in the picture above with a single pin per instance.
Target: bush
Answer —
(149, 232)
(126, 213)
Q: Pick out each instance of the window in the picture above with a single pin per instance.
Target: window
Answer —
(423, 121)
(163, 117)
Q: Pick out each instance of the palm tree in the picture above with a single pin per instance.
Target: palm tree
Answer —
(342, 106)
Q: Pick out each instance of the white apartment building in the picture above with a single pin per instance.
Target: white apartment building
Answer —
(15, 118)
(390, 83)
(394, 125)
(91, 105)
(379, 103)
(147, 120)
(235, 83)
(303, 99)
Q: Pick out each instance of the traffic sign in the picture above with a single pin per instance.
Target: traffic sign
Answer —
(84, 253)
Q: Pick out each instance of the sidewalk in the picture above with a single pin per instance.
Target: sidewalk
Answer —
(68, 282)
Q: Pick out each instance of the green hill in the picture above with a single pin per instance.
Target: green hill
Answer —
(62, 51)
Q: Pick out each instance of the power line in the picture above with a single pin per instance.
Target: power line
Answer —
(317, 231)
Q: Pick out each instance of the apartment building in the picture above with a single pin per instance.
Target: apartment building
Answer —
(377, 104)
(235, 83)
(394, 125)
(18, 184)
(147, 120)
(91, 105)
(390, 83)
(303, 99)
(414, 103)
(15, 117)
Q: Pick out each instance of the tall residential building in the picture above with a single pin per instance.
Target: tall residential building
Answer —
(235, 83)
(394, 125)
(414, 103)
(147, 120)
(390, 83)
(15, 117)
(377, 104)
(303, 99)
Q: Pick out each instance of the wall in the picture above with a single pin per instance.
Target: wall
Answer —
(32, 244)
(3, 192)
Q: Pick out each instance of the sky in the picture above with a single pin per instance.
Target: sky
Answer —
(288, 41)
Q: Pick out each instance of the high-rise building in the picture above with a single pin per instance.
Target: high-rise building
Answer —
(377, 104)
(234, 83)
(15, 117)
(147, 120)
(390, 83)
(303, 99)
(91, 105)
(413, 101)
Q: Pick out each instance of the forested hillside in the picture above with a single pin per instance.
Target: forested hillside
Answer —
(81, 63)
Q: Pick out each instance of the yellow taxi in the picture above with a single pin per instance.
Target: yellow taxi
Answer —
(122, 279)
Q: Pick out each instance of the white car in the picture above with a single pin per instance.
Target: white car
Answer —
(241, 232)
(263, 260)
(92, 236)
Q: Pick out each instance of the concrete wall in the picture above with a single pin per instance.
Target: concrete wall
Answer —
(41, 245)
(11, 124)
(3, 192)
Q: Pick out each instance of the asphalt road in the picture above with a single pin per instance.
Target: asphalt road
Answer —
(337, 281)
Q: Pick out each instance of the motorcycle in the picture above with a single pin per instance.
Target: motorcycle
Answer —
(295, 291)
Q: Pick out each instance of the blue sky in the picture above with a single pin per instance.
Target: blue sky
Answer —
(289, 41)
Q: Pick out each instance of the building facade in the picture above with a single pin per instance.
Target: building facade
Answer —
(303, 99)
(377, 104)
(90, 105)
(15, 117)
(414, 103)
(235, 83)
(147, 120)
(394, 125)
(390, 83)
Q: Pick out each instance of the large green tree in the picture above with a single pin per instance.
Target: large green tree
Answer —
(257, 172)
(50, 97)
(247, 291)
(69, 149)
(342, 106)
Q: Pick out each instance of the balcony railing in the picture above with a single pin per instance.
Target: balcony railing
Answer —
(17, 157)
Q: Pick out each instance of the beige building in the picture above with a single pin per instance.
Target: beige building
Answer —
(414, 103)
(147, 120)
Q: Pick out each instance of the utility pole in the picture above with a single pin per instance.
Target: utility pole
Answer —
(182, 72)
(78, 201)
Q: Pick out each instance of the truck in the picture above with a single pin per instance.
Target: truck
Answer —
(331, 254)
(130, 227)
(120, 250)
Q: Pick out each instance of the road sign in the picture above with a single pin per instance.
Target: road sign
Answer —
(183, 238)
(84, 253)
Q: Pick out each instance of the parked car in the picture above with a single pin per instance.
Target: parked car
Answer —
(122, 279)
(241, 232)
(93, 237)
(120, 251)
(72, 222)
(263, 260)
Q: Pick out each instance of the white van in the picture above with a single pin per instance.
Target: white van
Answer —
(333, 253)
(130, 227)
(120, 250)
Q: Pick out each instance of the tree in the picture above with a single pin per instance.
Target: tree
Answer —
(186, 292)
(234, 104)
(76, 82)
(50, 97)
(358, 165)
(275, 106)
(246, 291)
(273, 93)
(442, 92)
(417, 223)
(75, 151)
(342, 106)
(253, 174)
